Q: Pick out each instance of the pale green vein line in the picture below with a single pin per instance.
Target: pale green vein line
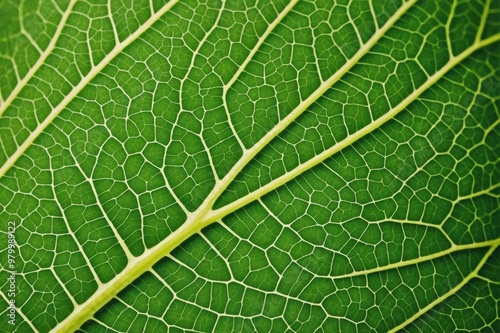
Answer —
(168, 286)
(452, 249)
(245, 63)
(349, 140)
(350, 19)
(458, 199)
(171, 139)
(451, 292)
(486, 191)
(214, 248)
(83, 83)
(66, 224)
(407, 222)
(187, 301)
(26, 33)
(250, 153)
(113, 24)
(404, 263)
(285, 226)
(152, 7)
(482, 24)
(372, 13)
(114, 230)
(196, 53)
(259, 43)
(130, 307)
(448, 26)
(487, 280)
(489, 129)
(63, 285)
(22, 83)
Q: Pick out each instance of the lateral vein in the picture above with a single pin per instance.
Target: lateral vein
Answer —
(83, 83)
(350, 139)
(451, 292)
(22, 83)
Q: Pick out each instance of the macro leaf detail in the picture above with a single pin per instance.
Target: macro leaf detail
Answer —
(242, 166)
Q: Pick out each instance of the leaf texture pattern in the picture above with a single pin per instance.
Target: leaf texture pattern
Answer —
(250, 166)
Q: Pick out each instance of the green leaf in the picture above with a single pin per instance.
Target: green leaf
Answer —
(240, 166)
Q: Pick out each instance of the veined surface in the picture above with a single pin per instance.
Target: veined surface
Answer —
(233, 166)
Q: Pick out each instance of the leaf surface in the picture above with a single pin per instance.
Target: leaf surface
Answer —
(232, 166)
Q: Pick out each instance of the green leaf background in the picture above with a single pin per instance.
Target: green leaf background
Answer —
(251, 166)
